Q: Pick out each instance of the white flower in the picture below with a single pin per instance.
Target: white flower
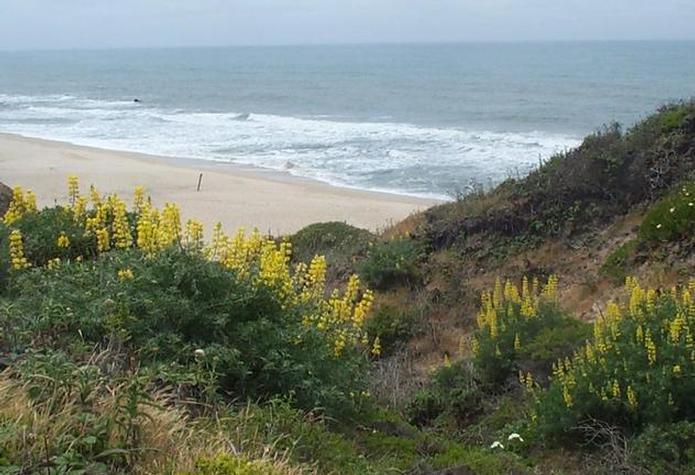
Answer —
(497, 445)
(658, 226)
(690, 204)
(199, 353)
(672, 210)
(515, 436)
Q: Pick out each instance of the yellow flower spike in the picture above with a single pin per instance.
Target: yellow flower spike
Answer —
(138, 198)
(121, 227)
(21, 204)
(125, 275)
(525, 291)
(376, 347)
(517, 342)
(103, 240)
(194, 234)
(497, 294)
(53, 263)
(169, 229)
(147, 228)
(615, 389)
(550, 289)
(63, 241)
(30, 202)
(73, 189)
(632, 398)
(94, 195)
(650, 348)
(17, 258)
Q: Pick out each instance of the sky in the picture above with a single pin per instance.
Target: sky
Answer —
(66, 24)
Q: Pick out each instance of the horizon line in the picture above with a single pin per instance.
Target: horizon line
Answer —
(355, 43)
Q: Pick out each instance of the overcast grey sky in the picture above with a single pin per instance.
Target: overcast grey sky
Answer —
(38, 24)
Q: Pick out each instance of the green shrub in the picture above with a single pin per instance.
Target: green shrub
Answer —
(174, 303)
(673, 117)
(453, 393)
(521, 330)
(40, 232)
(671, 218)
(617, 262)
(637, 369)
(393, 326)
(557, 340)
(666, 449)
(391, 263)
(342, 245)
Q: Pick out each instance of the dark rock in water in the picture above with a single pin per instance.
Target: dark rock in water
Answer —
(5, 198)
(137, 100)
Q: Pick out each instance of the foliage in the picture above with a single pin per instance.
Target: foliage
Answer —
(667, 448)
(340, 243)
(391, 263)
(232, 315)
(638, 368)
(509, 321)
(608, 174)
(616, 263)
(393, 326)
(671, 218)
(453, 393)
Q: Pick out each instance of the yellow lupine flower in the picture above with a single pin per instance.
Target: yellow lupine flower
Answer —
(103, 240)
(194, 234)
(53, 263)
(125, 274)
(17, 258)
(632, 397)
(376, 347)
(138, 199)
(94, 195)
(21, 204)
(63, 241)
(650, 347)
(122, 236)
(73, 189)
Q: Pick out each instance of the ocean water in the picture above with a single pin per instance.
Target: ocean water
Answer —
(425, 120)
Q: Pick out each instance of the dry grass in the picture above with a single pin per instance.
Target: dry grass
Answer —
(34, 435)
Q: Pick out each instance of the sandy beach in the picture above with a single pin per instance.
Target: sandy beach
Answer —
(235, 196)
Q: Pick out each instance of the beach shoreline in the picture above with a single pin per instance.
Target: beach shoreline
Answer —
(235, 195)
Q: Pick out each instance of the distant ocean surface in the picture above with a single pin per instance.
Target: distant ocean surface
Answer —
(424, 120)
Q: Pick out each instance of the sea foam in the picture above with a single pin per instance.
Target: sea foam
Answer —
(376, 155)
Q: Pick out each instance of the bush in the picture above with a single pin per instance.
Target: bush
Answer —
(391, 263)
(513, 325)
(234, 309)
(672, 218)
(637, 370)
(666, 449)
(453, 393)
(616, 263)
(340, 243)
(393, 326)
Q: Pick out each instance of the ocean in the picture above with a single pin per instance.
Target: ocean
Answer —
(427, 120)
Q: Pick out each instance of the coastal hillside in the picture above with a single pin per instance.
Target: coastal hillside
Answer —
(546, 325)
